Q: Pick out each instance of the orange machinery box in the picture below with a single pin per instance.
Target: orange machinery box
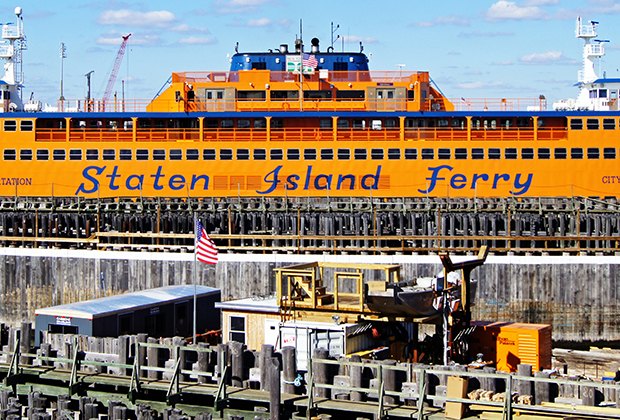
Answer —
(508, 344)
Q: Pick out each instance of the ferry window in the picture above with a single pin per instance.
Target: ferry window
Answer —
(342, 123)
(544, 153)
(125, 154)
(310, 154)
(109, 154)
(393, 154)
(191, 154)
(279, 95)
(460, 153)
(576, 124)
(251, 95)
(211, 123)
(592, 124)
(317, 94)
(443, 153)
(215, 94)
(594, 153)
(477, 153)
(510, 153)
(159, 154)
(360, 154)
(602, 93)
(277, 123)
(576, 153)
(208, 154)
(261, 123)
(390, 123)
(43, 154)
(410, 94)
(292, 154)
(26, 125)
(92, 154)
(10, 154)
(350, 94)
(237, 329)
(609, 124)
(243, 154)
(359, 124)
(259, 65)
(495, 153)
(327, 154)
(609, 153)
(341, 66)
(243, 124)
(592, 93)
(527, 153)
(344, 154)
(260, 154)
(10, 125)
(226, 154)
(59, 154)
(325, 123)
(276, 154)
(376, 154)
(176, 154)
(142, 154)
(226, 124)
(428, 154)
(411, 154)
(75, 154)
(559, 153)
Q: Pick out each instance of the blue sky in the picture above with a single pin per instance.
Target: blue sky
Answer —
(472, 48)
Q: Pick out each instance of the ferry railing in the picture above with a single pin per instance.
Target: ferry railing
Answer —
(489, 133)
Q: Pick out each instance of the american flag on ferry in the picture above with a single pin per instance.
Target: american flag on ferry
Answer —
(205, 249)
(309, 60)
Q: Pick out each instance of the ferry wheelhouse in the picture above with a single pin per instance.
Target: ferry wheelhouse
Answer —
(302, 124)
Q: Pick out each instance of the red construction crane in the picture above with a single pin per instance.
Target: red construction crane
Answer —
(114, 73)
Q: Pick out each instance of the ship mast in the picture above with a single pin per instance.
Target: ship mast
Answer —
(591, 51)
(11, 47)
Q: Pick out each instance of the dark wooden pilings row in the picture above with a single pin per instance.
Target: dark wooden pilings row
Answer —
(326, 218)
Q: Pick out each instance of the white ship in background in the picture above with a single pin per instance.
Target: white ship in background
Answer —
(595, 94)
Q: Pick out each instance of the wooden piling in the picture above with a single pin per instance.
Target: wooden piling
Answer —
(152, 358)
(265, 354)
(542, 389)
(356, 378)
(524, 387)
(273, 369)
(289, 369)
(237, 363)
(320, 372)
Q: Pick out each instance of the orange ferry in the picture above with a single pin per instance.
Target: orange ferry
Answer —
(305, 124)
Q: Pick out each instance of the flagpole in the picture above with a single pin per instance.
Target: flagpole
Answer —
(301, 66)
(195, 276)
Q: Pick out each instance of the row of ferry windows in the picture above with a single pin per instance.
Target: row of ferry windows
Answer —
(313, 154)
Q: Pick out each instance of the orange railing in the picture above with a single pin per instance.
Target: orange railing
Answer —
(300, 134)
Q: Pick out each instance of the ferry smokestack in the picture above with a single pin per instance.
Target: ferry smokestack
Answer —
(315, 45)
(284, 48)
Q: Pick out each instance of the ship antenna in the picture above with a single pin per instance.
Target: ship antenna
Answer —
(237, 47)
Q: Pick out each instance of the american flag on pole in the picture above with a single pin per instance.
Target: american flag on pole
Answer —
(309, 60)
(205, 249)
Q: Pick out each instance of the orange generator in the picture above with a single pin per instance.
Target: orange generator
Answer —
(508, 344)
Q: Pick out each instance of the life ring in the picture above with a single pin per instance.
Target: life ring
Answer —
(286, 106)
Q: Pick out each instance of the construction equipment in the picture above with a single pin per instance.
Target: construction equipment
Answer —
(114, 72)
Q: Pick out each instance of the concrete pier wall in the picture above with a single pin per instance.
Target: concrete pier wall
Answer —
(578, 295)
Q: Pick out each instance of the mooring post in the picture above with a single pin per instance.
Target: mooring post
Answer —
(265, 354)
(524, 387)
(222, 359)
(542, 390)
(202, 361)
(289, 369)
(320, 372)
(237, 366)
(355, 371)
(123, 352)
(389, 380)
(24, 341)
(273, 368)
(152, 358)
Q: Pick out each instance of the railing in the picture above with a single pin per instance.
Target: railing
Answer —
(311, 134)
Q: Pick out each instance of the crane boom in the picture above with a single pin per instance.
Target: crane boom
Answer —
(114, 73)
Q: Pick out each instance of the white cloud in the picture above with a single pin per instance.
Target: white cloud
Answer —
(543, 57)
(127, 17)
(238, 6)
(116, 40)
(356, 38)
(260, 22)
(541, 2)
(503, 10)
(197, 40)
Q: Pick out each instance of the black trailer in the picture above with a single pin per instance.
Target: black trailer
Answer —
(161, 312)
